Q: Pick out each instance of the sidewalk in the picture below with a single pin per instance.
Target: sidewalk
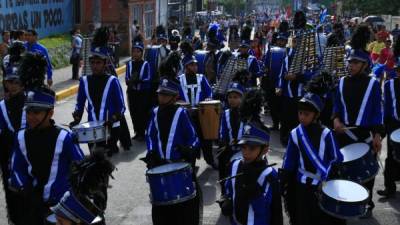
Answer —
(64, 86)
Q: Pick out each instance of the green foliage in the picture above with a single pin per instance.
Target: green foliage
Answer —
(377, 7)
(59, 47)
(233, 7)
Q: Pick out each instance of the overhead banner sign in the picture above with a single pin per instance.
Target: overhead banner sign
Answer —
(47, 17)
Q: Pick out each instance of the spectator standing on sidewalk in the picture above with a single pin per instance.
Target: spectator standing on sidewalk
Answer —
(33, 46)
(75, 58)
(5, 35)
(396, 33)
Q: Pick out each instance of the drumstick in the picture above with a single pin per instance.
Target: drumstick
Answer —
(240, 174)
(347, 128)
(221, 150)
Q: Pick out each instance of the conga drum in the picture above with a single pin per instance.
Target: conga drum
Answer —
(209, 116)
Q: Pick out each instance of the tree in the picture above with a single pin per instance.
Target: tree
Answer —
(377, 7)
(233, 6)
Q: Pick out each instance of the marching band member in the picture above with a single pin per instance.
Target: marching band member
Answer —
(11, 61)
(311, 153)
(83, 203)
(273, 60)
(195, 88)
(214, 43)
(174, 40)
(12, 119)
(252, 194)
(290, 87)
(162, 40)
(252, 63)
(107, 106)
(43, 152)
(358, 104)
(231, 129)
(392, 122)
(101, 40)
(170, 137)
(139, 80)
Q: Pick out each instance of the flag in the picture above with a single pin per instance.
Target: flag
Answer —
(322, 15)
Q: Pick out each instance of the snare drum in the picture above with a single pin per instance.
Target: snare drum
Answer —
(171, 183)
(359, 164)
(91, 132)
(209, 116)
(395, 141)
(343, 199)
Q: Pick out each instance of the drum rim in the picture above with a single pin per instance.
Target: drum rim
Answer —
(172, 202)
(211, 102)
(79, 126)
(391, 135)
(357, 143)
(340, 216)
(347, 202)
(169, 172)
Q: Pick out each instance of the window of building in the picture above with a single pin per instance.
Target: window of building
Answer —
(148, 20)
(137, 14)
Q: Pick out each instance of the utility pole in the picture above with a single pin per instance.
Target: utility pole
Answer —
(97, 13)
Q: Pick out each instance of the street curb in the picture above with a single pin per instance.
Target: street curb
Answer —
(69, 91)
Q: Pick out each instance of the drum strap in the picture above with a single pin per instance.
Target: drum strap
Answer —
(310, 175)
(394, 99)
(228, 119)
(310, 152)
(171, 135)
(5, 116)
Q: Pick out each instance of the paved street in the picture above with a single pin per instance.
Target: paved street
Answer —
(129, 201)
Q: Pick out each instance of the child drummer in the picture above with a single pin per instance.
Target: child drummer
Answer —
(311, 153)
(170, 137)
(231, 129)
(392, 122)
(252, 194)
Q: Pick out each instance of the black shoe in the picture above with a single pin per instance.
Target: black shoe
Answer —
(367, 215)
(386, 193)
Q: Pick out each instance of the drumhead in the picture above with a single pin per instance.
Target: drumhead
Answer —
(395, 136)
(212, 102)
(345, 191)
(354, 151)
(52, 218)
(91, 124)
(170, 167)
